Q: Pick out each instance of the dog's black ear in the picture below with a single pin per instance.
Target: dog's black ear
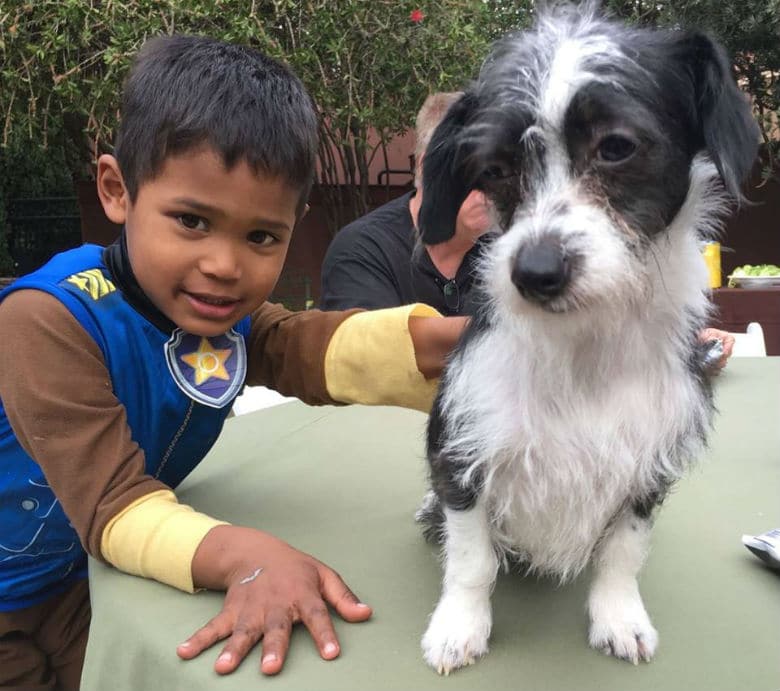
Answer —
(730, 133)
(445, 186)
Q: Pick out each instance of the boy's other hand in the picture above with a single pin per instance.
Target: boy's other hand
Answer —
(270, 586)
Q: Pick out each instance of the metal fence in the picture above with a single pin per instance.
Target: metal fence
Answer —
(36, 229)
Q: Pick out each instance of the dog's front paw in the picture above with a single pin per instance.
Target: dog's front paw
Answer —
(626, 634)
(457, 634)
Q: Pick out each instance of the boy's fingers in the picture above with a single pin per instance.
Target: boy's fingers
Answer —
(276, 641)
(245, 635)
(217, 629)
(342, 599)
(315, 616)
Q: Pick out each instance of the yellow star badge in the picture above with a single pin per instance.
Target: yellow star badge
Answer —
(208, 362)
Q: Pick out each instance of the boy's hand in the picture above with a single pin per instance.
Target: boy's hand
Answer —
(434, 339)
(270, 586)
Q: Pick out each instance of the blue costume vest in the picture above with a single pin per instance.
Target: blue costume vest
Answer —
(177, 391)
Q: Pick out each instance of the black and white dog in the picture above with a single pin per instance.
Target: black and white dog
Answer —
(578, 394)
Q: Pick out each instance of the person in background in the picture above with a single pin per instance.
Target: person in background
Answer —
(377, 261)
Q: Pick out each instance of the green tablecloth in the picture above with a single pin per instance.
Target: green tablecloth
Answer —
(343, 484)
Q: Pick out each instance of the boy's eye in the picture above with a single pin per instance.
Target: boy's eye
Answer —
(261, 237)
(192, 222)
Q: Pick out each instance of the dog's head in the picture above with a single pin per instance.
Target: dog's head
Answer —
(585, 135)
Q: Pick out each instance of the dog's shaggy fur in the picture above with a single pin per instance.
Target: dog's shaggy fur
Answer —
(578, 394)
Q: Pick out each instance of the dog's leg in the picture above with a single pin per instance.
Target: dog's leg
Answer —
(619, 624)
(459, 628)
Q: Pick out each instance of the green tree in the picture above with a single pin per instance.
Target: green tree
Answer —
(750, 31)
(367, 64)
(374, 63)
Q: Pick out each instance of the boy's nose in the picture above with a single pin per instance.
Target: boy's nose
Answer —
(221, 261)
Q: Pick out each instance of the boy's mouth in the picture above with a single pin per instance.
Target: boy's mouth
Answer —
(213, 300)
(212, 306)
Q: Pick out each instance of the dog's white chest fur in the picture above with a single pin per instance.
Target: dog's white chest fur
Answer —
(563, 447)
(568, 417)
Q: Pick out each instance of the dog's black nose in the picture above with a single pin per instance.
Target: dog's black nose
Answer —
(541, 271)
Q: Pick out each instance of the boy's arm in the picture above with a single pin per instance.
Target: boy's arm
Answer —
(286, 350)
(59, 400)
(57, 391)
(58, 396)
(381, 357)
(87, 453)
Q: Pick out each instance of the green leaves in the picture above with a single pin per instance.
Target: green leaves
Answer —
(368, 65)
(361, 60)
(750, 31)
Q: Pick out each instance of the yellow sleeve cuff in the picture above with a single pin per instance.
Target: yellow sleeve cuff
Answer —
(370, 360)
(156, 537)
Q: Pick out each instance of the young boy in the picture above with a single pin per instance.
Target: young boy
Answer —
(119, 366)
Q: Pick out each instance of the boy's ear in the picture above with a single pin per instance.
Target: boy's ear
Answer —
(301, 209)
(111, 189)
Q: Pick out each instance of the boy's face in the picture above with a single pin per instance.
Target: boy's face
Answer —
(207, 244)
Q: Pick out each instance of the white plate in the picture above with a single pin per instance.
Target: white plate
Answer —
(756, 281)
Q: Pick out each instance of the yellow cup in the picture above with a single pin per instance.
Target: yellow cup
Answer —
(711, 254)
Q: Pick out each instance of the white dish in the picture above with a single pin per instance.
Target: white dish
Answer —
(755, 281)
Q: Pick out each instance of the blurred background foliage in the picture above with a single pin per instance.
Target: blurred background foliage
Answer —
(368, 64)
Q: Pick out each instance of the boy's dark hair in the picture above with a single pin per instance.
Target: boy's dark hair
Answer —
(185, 91)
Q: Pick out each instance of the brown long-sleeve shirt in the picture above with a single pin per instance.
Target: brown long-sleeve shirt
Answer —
(58, 396)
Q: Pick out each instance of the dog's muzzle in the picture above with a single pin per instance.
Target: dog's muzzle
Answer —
(541, 271)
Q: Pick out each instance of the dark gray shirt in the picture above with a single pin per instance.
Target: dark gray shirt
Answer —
(374, 263)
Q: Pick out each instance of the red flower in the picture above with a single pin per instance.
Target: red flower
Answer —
(416, 16)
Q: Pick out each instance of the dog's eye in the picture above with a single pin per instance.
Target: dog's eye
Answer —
(496, 172)
(615, 148)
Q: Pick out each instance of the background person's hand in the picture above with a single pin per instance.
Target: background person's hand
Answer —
(727, 341)
(270, 586)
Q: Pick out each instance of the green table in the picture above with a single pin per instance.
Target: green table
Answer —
(343, 484)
